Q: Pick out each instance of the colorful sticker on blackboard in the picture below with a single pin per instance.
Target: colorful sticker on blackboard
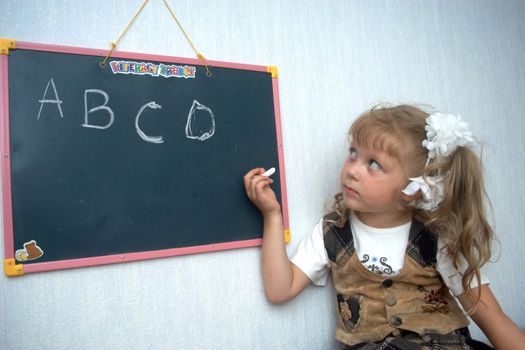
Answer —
(155, 70)
(31, 251)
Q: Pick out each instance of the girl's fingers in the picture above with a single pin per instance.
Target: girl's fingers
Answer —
(259, 191)
(250, 175)
(256, 185)
(260, 183)
(252, 178)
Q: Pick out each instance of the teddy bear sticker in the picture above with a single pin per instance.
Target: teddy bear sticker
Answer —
(31, 251)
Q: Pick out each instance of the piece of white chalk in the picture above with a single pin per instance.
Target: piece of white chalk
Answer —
(269, 172)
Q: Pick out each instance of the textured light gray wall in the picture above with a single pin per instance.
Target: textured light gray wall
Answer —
(335, 59)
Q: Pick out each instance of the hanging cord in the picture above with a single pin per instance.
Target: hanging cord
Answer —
(199, 55)
(114, 45)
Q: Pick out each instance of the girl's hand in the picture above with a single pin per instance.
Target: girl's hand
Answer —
(259, 191)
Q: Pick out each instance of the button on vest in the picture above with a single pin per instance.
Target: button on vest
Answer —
(390, 300)
(387, 283)
(396, 321)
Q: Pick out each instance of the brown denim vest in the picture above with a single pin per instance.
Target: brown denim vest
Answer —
(370, 306)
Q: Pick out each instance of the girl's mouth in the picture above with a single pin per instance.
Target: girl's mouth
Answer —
(350, 191)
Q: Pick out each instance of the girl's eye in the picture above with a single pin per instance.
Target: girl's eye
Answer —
(353, 154)
(375, 166)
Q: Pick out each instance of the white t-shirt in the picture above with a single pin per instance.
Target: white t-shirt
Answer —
(380, 250)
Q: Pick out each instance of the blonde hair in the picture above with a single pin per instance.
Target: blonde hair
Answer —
(460, 220)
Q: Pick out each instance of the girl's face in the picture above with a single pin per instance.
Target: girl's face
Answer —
(372, 182)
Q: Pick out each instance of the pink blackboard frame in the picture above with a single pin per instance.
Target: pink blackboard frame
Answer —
(9, 248)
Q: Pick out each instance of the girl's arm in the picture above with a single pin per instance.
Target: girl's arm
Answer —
(282, 280)
(495, 324)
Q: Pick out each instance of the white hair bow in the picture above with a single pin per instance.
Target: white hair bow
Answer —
(432, 191)
(445, 133)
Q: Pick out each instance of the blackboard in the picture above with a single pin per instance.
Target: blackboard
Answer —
(141, 158)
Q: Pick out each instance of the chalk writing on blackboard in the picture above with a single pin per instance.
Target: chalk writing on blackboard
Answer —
(56, 100)
(97, 108)
(201, 122)
(152, 139)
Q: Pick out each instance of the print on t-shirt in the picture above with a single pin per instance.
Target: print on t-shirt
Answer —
(370, 264)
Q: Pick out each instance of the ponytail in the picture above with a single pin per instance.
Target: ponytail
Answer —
(460, 220)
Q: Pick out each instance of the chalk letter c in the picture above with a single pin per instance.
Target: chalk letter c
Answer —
(152, 139)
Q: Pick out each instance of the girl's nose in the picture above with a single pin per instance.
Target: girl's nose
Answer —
(352, 170)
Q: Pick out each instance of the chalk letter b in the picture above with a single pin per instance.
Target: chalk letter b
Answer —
(97, 108)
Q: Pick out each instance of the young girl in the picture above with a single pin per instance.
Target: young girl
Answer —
(406, 233)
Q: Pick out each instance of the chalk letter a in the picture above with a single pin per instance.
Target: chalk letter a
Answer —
(56, 101)
(97, 108)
